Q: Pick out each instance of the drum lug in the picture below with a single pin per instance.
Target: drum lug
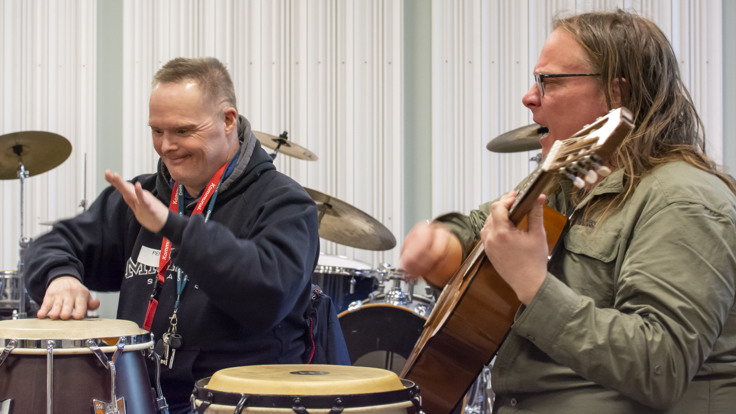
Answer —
(241, 404)
(8, 349)
(92, 345)
(116, 405)
(298, 407)
(337, 409)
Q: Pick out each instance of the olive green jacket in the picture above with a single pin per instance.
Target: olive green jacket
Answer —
(636, 314)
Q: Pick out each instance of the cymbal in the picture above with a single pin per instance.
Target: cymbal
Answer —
(282, 144)
(39, 151)
(525, 138)
(344, 224)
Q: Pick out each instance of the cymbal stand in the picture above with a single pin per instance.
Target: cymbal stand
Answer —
(284, 139)
(23, 242)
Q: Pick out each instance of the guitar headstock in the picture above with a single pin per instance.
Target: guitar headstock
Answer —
(583, 154)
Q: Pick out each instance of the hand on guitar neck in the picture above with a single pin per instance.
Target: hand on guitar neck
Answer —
(519, 254)
(432, 252)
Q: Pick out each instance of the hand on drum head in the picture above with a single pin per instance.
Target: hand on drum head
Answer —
(67, 297)
(431, 251)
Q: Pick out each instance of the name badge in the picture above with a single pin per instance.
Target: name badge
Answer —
(149, 256)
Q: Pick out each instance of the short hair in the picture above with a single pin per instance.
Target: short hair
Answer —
(210, 74)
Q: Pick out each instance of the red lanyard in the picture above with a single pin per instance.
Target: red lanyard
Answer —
(165, 255)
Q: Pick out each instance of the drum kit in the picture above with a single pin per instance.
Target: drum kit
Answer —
(380, 316)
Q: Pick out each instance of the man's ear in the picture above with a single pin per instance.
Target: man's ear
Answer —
(231, 120)
(617, 87)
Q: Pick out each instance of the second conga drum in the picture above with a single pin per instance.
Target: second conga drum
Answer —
(305, 389)
(64, 366)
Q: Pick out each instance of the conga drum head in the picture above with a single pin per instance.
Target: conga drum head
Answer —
(77, 376)
(315, 388)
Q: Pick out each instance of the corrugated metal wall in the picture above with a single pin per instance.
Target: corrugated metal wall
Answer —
(484, 53)
(327, 71)
(48, 84)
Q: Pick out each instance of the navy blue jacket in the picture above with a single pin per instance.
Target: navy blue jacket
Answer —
(249, 267)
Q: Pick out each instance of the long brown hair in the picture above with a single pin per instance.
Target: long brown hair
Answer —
(632, 52)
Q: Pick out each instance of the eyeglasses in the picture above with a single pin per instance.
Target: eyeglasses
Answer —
(540, 77)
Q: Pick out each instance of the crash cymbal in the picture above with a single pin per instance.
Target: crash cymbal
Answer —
(521, 139)
(344, 224)
(39, 151)
(282, 144)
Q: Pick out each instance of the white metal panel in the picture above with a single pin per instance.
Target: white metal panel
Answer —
(48, 84)
(328, 72)
(512, 34)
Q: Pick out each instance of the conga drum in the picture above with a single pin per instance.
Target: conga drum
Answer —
(74, 366)
(305, 389)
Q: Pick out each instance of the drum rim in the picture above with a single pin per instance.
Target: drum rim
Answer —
(343, 271)
(409, 393)
(66, 346)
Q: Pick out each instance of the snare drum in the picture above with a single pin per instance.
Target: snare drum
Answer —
(305, 388)
(74, 360)
(344, 280)
(382, 334)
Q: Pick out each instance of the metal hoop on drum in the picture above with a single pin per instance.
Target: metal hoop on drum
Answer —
(344, 280)
(61, 350)
(304, 389)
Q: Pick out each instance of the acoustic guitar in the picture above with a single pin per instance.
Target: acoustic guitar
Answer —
(476, 309)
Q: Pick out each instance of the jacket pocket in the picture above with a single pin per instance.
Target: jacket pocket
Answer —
(597, 243)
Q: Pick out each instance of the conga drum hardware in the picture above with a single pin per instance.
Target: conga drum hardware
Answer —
(305, 389)
(57, 366)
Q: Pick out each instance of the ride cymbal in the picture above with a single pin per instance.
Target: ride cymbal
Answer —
(282, 144)
(39, 151)
(521, 139)
(342, 223)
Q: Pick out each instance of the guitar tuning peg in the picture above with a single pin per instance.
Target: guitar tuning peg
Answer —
(604, 171)
(591, 176)
(578, 182)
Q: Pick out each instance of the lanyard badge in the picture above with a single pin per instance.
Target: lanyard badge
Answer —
(177, 204)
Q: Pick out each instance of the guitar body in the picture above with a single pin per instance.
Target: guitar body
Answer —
(466, 328)
(476, 309)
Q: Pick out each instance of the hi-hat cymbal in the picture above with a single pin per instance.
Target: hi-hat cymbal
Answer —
(521, 139)
(282, 144)
(344, 224)
(39, 151)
